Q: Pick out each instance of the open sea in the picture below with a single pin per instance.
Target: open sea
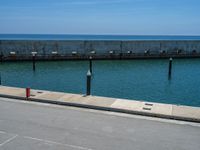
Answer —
(92, 37)
(145, 80)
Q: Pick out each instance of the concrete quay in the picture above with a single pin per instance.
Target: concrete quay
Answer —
(177, 112)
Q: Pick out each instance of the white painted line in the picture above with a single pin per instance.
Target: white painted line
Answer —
(42, 140)
(9, 140)
(2, 132)
(57, 143)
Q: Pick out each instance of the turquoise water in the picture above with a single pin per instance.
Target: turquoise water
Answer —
(92, 37)
(132, 79)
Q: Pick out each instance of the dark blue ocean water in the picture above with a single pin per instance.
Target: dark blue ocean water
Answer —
(132, 79)
(92, 37)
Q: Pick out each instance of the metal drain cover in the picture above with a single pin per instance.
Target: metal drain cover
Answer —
(148, 104)
(146, 108)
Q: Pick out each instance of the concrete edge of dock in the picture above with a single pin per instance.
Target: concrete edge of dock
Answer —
(168, 111)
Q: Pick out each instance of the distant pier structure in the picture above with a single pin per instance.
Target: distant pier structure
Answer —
(98, 49)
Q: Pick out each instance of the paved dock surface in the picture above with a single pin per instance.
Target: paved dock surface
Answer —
(30, 125)
(104, 103)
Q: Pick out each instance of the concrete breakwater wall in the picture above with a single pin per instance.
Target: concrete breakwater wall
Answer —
(99, 49)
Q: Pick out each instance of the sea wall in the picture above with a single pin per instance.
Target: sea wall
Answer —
(98, 49)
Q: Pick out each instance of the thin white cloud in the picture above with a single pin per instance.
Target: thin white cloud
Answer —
(53, 3)
(93, 2)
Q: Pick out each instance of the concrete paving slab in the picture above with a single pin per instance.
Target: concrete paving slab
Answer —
(100, 101)
(36, 93)
(68, 97)
(127, 104)
(89, 100)
(12, 91)
(78, 99)
(51, 96)
(186, 111)
(157, 108)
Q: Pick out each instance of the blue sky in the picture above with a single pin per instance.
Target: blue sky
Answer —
(127, 17)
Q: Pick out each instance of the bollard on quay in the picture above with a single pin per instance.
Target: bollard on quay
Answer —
(90, 64)
(88, 92)
(1, 57)
(170, 68)
(28, 92)
(0, 79)
(33, 59)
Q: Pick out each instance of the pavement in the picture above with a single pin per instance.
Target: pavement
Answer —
(32, 125)
(178, 112)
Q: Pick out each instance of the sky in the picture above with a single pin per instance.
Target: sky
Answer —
(114, 17)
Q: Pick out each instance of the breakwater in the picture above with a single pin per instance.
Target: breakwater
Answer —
(98, 49)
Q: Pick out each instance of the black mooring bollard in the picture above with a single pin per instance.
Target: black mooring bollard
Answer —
(33, 59)
(170, 68)
(88, 92)
(1, 57)
(0, 79)
(90, 64)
